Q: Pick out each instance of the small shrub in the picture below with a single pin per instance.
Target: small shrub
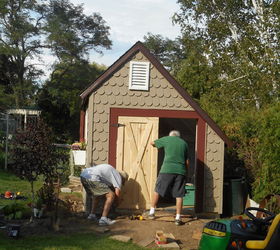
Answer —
(33, 154)
(15, 211)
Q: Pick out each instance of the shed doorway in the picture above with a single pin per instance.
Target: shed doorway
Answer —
(187, 128)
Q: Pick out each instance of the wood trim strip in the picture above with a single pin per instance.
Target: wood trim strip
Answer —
(199, 183)
(82, 125)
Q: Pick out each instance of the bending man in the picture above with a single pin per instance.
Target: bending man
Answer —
(103, 180)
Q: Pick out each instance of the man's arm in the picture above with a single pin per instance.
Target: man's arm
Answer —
(117, 198)
(117, 192)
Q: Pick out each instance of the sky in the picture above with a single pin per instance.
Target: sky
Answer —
(130, 21)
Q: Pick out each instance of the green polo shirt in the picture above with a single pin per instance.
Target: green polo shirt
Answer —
(175, 154)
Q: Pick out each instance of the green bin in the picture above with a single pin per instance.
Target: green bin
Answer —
(189, 196)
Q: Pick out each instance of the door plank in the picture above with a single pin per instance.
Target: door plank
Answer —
(139, 159)
(142, 148)
(136, 168)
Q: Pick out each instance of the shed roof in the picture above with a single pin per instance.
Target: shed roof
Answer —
(139, 47)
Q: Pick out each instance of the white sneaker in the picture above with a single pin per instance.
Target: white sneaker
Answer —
(92, 217)
(104, 221)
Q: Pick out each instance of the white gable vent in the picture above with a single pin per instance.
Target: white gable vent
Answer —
(139, 75)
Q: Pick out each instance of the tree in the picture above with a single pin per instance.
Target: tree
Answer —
(29, 28)
(242, 43)
(59, 97)
(7, 80)
(19, 41)
(33, 153)
(169, 52)
(232, 70)
(268, 148)
(72, 34)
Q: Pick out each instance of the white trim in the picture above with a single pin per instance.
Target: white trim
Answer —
(24, 111)
(86, 127)
(139, 74)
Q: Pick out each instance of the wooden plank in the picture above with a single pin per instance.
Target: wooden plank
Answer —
(90, 127)
(146, 242)
(120, 148)
(154, 156)
(142, 148)
(139, 159)
(134, 138)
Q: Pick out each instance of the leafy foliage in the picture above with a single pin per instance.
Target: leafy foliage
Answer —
(241, 45)
(19, 41)
(268, 181)
(59, 97)
(32, 151)
(168, 52)
(230, 66)
(14, 211)
(29, 28)
(34, 154)
(71, 33)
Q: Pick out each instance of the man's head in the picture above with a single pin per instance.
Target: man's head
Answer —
(174, 133)
(124, 176)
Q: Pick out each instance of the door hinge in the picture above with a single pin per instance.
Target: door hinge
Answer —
(117, 125)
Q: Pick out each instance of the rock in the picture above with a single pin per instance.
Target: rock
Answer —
(101, 229)
(66, 190)
(121, 238)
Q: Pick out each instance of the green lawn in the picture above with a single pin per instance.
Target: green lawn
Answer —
(10, 182)
(65, 242)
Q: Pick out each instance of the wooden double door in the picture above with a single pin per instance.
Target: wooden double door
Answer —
(138, 158)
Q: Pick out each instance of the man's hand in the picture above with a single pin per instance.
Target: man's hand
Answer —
(153, 143)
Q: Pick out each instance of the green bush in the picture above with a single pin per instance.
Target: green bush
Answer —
(267, 181)
(2, 159)
(15, 211)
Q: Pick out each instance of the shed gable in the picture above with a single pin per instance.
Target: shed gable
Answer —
(115, 93)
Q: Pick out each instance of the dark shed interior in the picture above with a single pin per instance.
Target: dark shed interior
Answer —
(187, 128)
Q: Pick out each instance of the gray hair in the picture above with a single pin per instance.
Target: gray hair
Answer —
(124, 176)
(174, 133)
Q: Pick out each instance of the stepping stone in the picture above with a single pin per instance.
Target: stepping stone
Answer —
(121, 238)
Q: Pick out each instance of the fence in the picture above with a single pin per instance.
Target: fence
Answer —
(8, 126)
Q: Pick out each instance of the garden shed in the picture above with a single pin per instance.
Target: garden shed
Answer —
(136, 101)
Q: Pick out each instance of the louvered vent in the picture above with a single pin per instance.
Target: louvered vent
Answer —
(139, 75)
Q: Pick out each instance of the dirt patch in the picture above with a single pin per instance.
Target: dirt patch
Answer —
(142, 232)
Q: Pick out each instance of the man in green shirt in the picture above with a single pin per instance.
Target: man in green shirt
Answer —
(172, 175)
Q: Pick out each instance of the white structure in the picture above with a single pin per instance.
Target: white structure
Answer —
(23, 115)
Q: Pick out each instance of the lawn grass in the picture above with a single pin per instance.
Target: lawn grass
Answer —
(10, 182)
(65, 242)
